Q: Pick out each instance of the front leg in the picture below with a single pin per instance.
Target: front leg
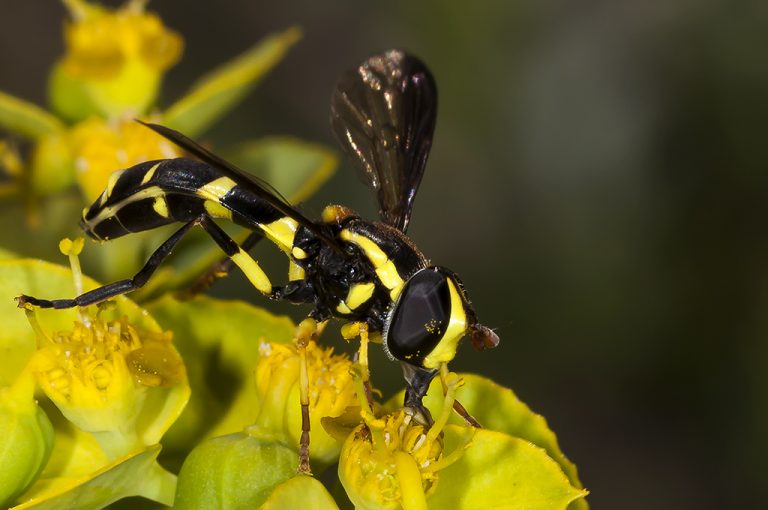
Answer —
(117, 288)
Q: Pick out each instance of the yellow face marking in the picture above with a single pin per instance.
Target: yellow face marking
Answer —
(358, 294)
(216, 189)
(160, 205)
(217, 210)
(445, 350)
(108, 212)
(343, 308)
(295, 271)
(281, 232)
(253, 272)
(150, 173)
(375, 254)
(113, 178)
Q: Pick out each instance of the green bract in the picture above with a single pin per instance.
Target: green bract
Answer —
(498, 409)
(236, 471)
(26, 439)
(501, 471)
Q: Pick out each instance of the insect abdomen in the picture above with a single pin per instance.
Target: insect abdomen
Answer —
(157, 193)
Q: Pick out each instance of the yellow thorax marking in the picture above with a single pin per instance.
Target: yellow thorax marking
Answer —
(160, 205)
(252, 271)
(358, 294)
(343, 308)
(295, 271)
(375, 254)
(445, 350)
(281, 232)
(385, 268)
(150, 173)
(216, 189)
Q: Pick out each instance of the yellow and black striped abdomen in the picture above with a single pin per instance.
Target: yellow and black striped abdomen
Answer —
(156, 193)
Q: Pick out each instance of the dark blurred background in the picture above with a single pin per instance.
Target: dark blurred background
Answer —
(599, 181)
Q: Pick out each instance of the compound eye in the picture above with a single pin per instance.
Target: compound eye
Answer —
(420, 317)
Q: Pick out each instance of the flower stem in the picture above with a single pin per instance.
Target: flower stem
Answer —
(159, 485)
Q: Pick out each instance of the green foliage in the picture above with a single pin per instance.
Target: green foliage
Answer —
(501, 471)
(220, 342)
(218, 92)
(26, 119)
(498, 408)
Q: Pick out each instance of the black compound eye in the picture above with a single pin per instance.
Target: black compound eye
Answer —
(420, 317)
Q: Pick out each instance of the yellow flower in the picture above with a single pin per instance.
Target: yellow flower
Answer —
(393, 462)
(100, 42)
(114, 60)
(101, 376)
(103, 146)
(385, 475)
(331, 391)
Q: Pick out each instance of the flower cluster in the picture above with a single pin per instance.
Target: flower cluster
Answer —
(89, 397)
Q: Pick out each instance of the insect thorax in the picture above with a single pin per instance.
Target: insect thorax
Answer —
(363, 281)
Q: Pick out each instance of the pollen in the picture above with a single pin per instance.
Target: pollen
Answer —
(382, 474)
(93, 359)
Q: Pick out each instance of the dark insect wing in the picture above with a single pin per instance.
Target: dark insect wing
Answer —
(258, 186)
(383, 114)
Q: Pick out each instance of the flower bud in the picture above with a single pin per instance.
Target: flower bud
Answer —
(233, 471)
(26, 439)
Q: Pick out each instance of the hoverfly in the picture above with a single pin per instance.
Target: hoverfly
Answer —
(365, 272)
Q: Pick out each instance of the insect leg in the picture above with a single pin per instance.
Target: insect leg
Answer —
(238, 255)
(349, 332)
(222, 268)
(305, 333)
(117, 288)
(460, 409)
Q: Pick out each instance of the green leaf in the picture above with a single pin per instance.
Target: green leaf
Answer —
(294, 167)
(498, 408)
(26, 119)
(236, 471)
(501, 472)
(219, 341)
(220, 91)
(45, 280)
(303, 492)
(136, 474)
